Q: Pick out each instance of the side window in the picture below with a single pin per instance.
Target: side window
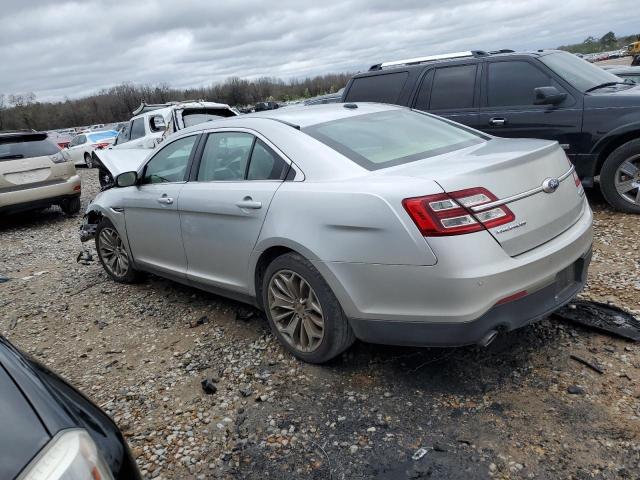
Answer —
(422, 101)
(385, 88)
(170, 163)
(225, 156)
(73, 142)
(123, 136)
(266, 164)
(82, 139)
(512, 83)
(137, 128)
(453, 87)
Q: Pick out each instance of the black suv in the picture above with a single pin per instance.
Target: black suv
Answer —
(549, 94)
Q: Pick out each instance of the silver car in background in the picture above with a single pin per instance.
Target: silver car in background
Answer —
(354, 221)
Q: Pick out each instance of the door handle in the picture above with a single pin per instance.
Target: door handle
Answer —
(248, 202)
(165, 200)
(498, 122)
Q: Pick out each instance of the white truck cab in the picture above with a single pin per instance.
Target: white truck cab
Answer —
(151, 123)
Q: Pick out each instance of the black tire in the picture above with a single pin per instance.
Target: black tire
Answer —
(71, 206)
(337, 336)
(88, 161)
(609, 172)
(130, 275)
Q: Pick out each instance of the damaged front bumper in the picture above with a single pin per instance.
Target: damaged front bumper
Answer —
(87, 229)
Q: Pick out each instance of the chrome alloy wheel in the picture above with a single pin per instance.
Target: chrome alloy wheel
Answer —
(627, 180)
(113, 253)
(295, 310)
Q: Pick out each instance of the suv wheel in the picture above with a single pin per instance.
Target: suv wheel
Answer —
(303, 312)
(88, 160)
(70, 206)
(112, 253)
(620, 177)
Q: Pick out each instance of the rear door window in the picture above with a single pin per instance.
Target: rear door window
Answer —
(513, 83)
(453, 87)
(225, 157)
(385, 88)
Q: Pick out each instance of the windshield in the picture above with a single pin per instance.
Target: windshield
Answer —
(579, 73)
(384, 139)
(94, 137)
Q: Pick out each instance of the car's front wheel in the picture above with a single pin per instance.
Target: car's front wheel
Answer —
(113, 254)
(303, 312)
(620, 177)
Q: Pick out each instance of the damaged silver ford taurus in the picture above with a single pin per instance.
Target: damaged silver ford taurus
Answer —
(353, 221)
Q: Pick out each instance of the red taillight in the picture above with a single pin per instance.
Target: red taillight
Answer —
(101, 145)
(511, 298)
(450, 213)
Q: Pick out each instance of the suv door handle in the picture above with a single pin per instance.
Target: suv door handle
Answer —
(165, 200)
(247, 202)
(497, 121)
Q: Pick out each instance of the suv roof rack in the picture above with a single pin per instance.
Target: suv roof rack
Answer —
(436, 58)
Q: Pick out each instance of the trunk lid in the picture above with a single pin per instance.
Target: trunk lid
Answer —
(513, 171)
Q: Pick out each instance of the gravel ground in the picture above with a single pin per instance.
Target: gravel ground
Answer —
(506, 411)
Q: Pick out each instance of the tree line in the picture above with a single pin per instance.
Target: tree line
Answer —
(605, 43)
(115, 104)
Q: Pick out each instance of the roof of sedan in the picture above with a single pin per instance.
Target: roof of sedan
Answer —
(306, 115)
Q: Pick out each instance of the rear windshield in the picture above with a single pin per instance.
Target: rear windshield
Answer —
(195, 117)
(94, 137)
(384, 139)
(27, 146)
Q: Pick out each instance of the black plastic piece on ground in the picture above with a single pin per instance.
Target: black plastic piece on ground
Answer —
(603, 317)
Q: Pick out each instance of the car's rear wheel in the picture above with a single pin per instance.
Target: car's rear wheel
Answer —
(620, 177)
(88, 161)
(303, 312)
(113, 254)
(71, 206)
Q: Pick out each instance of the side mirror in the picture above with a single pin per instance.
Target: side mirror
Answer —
(548, 96)
(127, 179)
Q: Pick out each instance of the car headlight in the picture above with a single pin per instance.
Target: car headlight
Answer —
(59, 157)
(70, 455)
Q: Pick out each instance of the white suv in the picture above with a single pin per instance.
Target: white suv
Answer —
(152, 123)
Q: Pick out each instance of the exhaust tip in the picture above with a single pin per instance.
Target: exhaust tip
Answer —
(488, 338)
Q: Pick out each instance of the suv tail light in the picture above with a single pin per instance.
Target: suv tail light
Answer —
(448, 213)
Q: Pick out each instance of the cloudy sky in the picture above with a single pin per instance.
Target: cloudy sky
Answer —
(59, 49)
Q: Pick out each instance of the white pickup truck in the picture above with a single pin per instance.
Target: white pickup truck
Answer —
(151, 123)
(149, 126)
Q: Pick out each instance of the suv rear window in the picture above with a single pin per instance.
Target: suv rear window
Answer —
(26, 146)
(384, 139)
(384, 88)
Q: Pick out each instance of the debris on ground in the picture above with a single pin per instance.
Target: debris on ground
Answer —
(421, 452)
(592, 366)
(84, 257)
(246, 314)
(4, 279)
(201, 321)
(209, 386)
(603, 317)
(575, 390)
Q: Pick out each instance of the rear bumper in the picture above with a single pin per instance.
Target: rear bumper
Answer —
(501, 318)
(456, 301)
(39, 196)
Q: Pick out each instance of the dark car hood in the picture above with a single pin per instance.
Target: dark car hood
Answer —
(60, 406)
(22, 434)
(613, 97)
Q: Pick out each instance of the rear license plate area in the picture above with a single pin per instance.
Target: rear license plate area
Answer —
(565, 279)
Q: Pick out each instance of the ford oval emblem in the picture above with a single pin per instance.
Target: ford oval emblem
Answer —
(550, 185)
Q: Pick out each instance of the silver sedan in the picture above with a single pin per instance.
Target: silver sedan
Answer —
(353, 221)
